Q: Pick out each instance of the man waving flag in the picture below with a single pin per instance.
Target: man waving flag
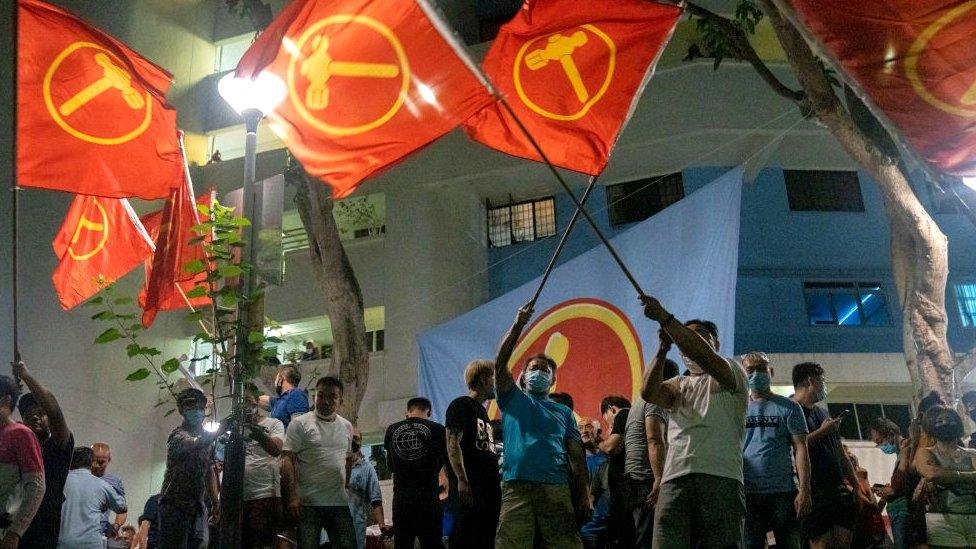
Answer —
(91, 113)
(572, 72)
(100, 241)
(369, 82)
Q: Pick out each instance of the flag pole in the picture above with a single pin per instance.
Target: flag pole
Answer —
(565, 186)
(15, 8)
(562, 240)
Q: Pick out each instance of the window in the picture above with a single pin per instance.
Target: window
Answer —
(857, 423)
(521, 221)
(845, 304)
(823, 191)
(638, 200)
(966, 301)
(375, 340)
(229, 52)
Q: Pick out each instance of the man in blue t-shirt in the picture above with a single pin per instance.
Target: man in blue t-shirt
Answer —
(543, 455)
(291, 401)
(776, 433)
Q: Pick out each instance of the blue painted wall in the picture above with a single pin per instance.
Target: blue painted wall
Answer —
(779, 250)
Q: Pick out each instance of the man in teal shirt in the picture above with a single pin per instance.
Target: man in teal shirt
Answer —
(543, 455)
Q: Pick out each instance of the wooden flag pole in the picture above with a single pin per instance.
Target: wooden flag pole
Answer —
(565, 186)
(562, 240)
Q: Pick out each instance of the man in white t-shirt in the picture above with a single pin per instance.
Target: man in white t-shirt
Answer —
(262, 485)
(701, 495)
(315, 470)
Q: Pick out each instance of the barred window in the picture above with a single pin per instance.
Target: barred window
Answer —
(521, 221)
(637, 200)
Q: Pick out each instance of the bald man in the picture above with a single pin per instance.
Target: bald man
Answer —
(103, 456)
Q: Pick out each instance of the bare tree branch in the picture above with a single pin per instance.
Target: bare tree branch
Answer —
(742, 49)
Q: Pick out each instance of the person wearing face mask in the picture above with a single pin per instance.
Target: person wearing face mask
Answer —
(969, 402)
(471, 450)
(831, 521)
(365, 496)
(950, 515)
(290, 400)
(543, 455)
(887, 435)
(701, 495)
(262, 485)
(777, 492)
(189, 472)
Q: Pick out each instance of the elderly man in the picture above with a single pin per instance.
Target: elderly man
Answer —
(103, 456)
(365, 497)
(85, 496)
(543, 455)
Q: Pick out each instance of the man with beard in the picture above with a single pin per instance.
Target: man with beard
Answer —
(291, 401)
(41, 412)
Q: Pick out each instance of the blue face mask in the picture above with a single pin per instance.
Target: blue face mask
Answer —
(194, 417)
(888, 448)
(538, 381)
(759, 381)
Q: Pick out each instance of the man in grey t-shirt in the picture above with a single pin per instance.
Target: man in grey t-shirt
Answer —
(645, 450)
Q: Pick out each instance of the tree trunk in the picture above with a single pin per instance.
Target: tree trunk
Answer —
(919, 250)
(343, 297)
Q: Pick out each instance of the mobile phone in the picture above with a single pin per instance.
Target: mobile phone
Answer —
(843, 414)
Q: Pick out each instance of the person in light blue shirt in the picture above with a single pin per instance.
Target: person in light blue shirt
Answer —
(543, 455)
(775, 438)
(85, 495)
(365, 497)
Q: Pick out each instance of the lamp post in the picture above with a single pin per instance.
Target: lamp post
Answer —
(252, 99)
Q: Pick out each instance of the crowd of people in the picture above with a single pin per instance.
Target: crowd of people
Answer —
(710, 458)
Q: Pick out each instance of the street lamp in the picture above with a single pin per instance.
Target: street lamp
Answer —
(252, 99)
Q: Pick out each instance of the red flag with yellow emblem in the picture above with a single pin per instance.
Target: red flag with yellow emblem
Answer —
(572, 72)
(369, 82)
(91, 114)
(100, 241)
(916, 64)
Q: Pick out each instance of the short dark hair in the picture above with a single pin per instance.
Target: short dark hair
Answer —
(670, 369)
(969, 396)
(565, 399)
(545, 357)
(328, 382)
(419, 403)
(803, 371)
(251, 389)
(933, 417)
(613, 400)
(190, 397)
(9, 387)
(709, 326)
(82, 457)
(885, 427)
(929, 401)
(27, 401)
(291, 374)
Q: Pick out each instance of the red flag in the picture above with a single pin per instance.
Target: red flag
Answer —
(167, 282)
(91, 115)
(915, 62)
(100, 239)
(572, 72)
(369, 82)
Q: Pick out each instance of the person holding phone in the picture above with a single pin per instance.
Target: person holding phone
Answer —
(834, 513)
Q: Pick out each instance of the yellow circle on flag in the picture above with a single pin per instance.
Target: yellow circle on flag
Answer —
(88, 225)
(299, 102)
(53, 110)
(520, 58)
(916, 51)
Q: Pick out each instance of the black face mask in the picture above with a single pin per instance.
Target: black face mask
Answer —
(947, 431)
(278, 389)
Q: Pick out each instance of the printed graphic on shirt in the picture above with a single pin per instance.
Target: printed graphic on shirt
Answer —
(409, 441)
(761, 422)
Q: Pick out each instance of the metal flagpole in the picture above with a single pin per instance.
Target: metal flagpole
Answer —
(15, 9)
(562, 240)
(565, 186)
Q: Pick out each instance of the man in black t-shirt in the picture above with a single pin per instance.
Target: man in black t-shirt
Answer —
(416, 449)
(615, 409)
(471, 450)
(42, 414)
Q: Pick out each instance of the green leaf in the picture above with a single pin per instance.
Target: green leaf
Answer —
(151, 351)
(274, 339)
(195, 316)
(204, 227)
(136, 327)
(196, 240)
(230, 270)
(108, 335)
(103, 315)
(194, 266)
(133, 349)
(255, 337)
(123, 301)
(240, 221)
(170, 366)
(229, 300)
(198, 291)
(140, 374)
(204, 209)
(95, 301)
